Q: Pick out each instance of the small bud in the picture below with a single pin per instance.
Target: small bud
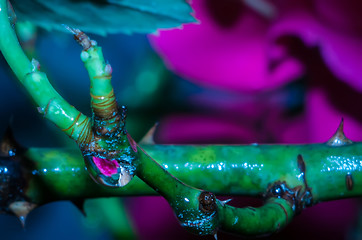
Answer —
(35, 65)
(108, 69)
(94, 43)
(84, 56)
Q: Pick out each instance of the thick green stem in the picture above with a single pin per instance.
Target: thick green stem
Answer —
(49, 102)
(225, 170)
(160, 179)
(328, 172)
(10, 46)
(185, 200)
(103, 100)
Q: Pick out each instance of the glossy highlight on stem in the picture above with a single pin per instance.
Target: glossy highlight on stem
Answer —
(245, 170)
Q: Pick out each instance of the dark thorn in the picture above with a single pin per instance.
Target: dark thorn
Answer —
(302, 169)
(8, 145)
(301, 164)
(21, 209)
(349, 182)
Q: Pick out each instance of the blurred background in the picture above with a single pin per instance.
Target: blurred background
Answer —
(250, 71)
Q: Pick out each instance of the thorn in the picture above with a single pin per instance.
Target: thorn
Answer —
(349, 182)
(79, 204)
(21, 209)
(215, 236)
(108, 69)
(8, 144)
(225, 202)
(149, 138)
(339, 139)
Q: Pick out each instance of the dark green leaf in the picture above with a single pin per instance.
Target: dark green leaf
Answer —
(105, 16)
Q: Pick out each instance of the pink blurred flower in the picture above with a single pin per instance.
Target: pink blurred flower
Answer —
(251, 51)
(236, 48)
(239, 49)
(225, 52)
(334, 26)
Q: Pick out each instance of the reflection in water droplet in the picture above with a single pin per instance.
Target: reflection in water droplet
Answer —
(108, 172)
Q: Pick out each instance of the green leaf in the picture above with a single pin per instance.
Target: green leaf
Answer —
(105, 16)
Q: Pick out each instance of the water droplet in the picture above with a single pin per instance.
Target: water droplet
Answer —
(109, 172)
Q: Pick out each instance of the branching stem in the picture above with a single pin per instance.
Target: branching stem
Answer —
(289, 177)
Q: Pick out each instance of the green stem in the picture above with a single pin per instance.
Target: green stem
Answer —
(184, 200)
(103, 100)
(250, 170)
(99, 72)
(245, 170)
(27, 34)
(10, 46)
(160, 179)
(49, 102)
(257, 221)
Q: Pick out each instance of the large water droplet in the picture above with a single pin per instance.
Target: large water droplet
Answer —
(108, 172)
(110, 159)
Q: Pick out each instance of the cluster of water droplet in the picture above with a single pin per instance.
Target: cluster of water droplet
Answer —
(110, 155)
